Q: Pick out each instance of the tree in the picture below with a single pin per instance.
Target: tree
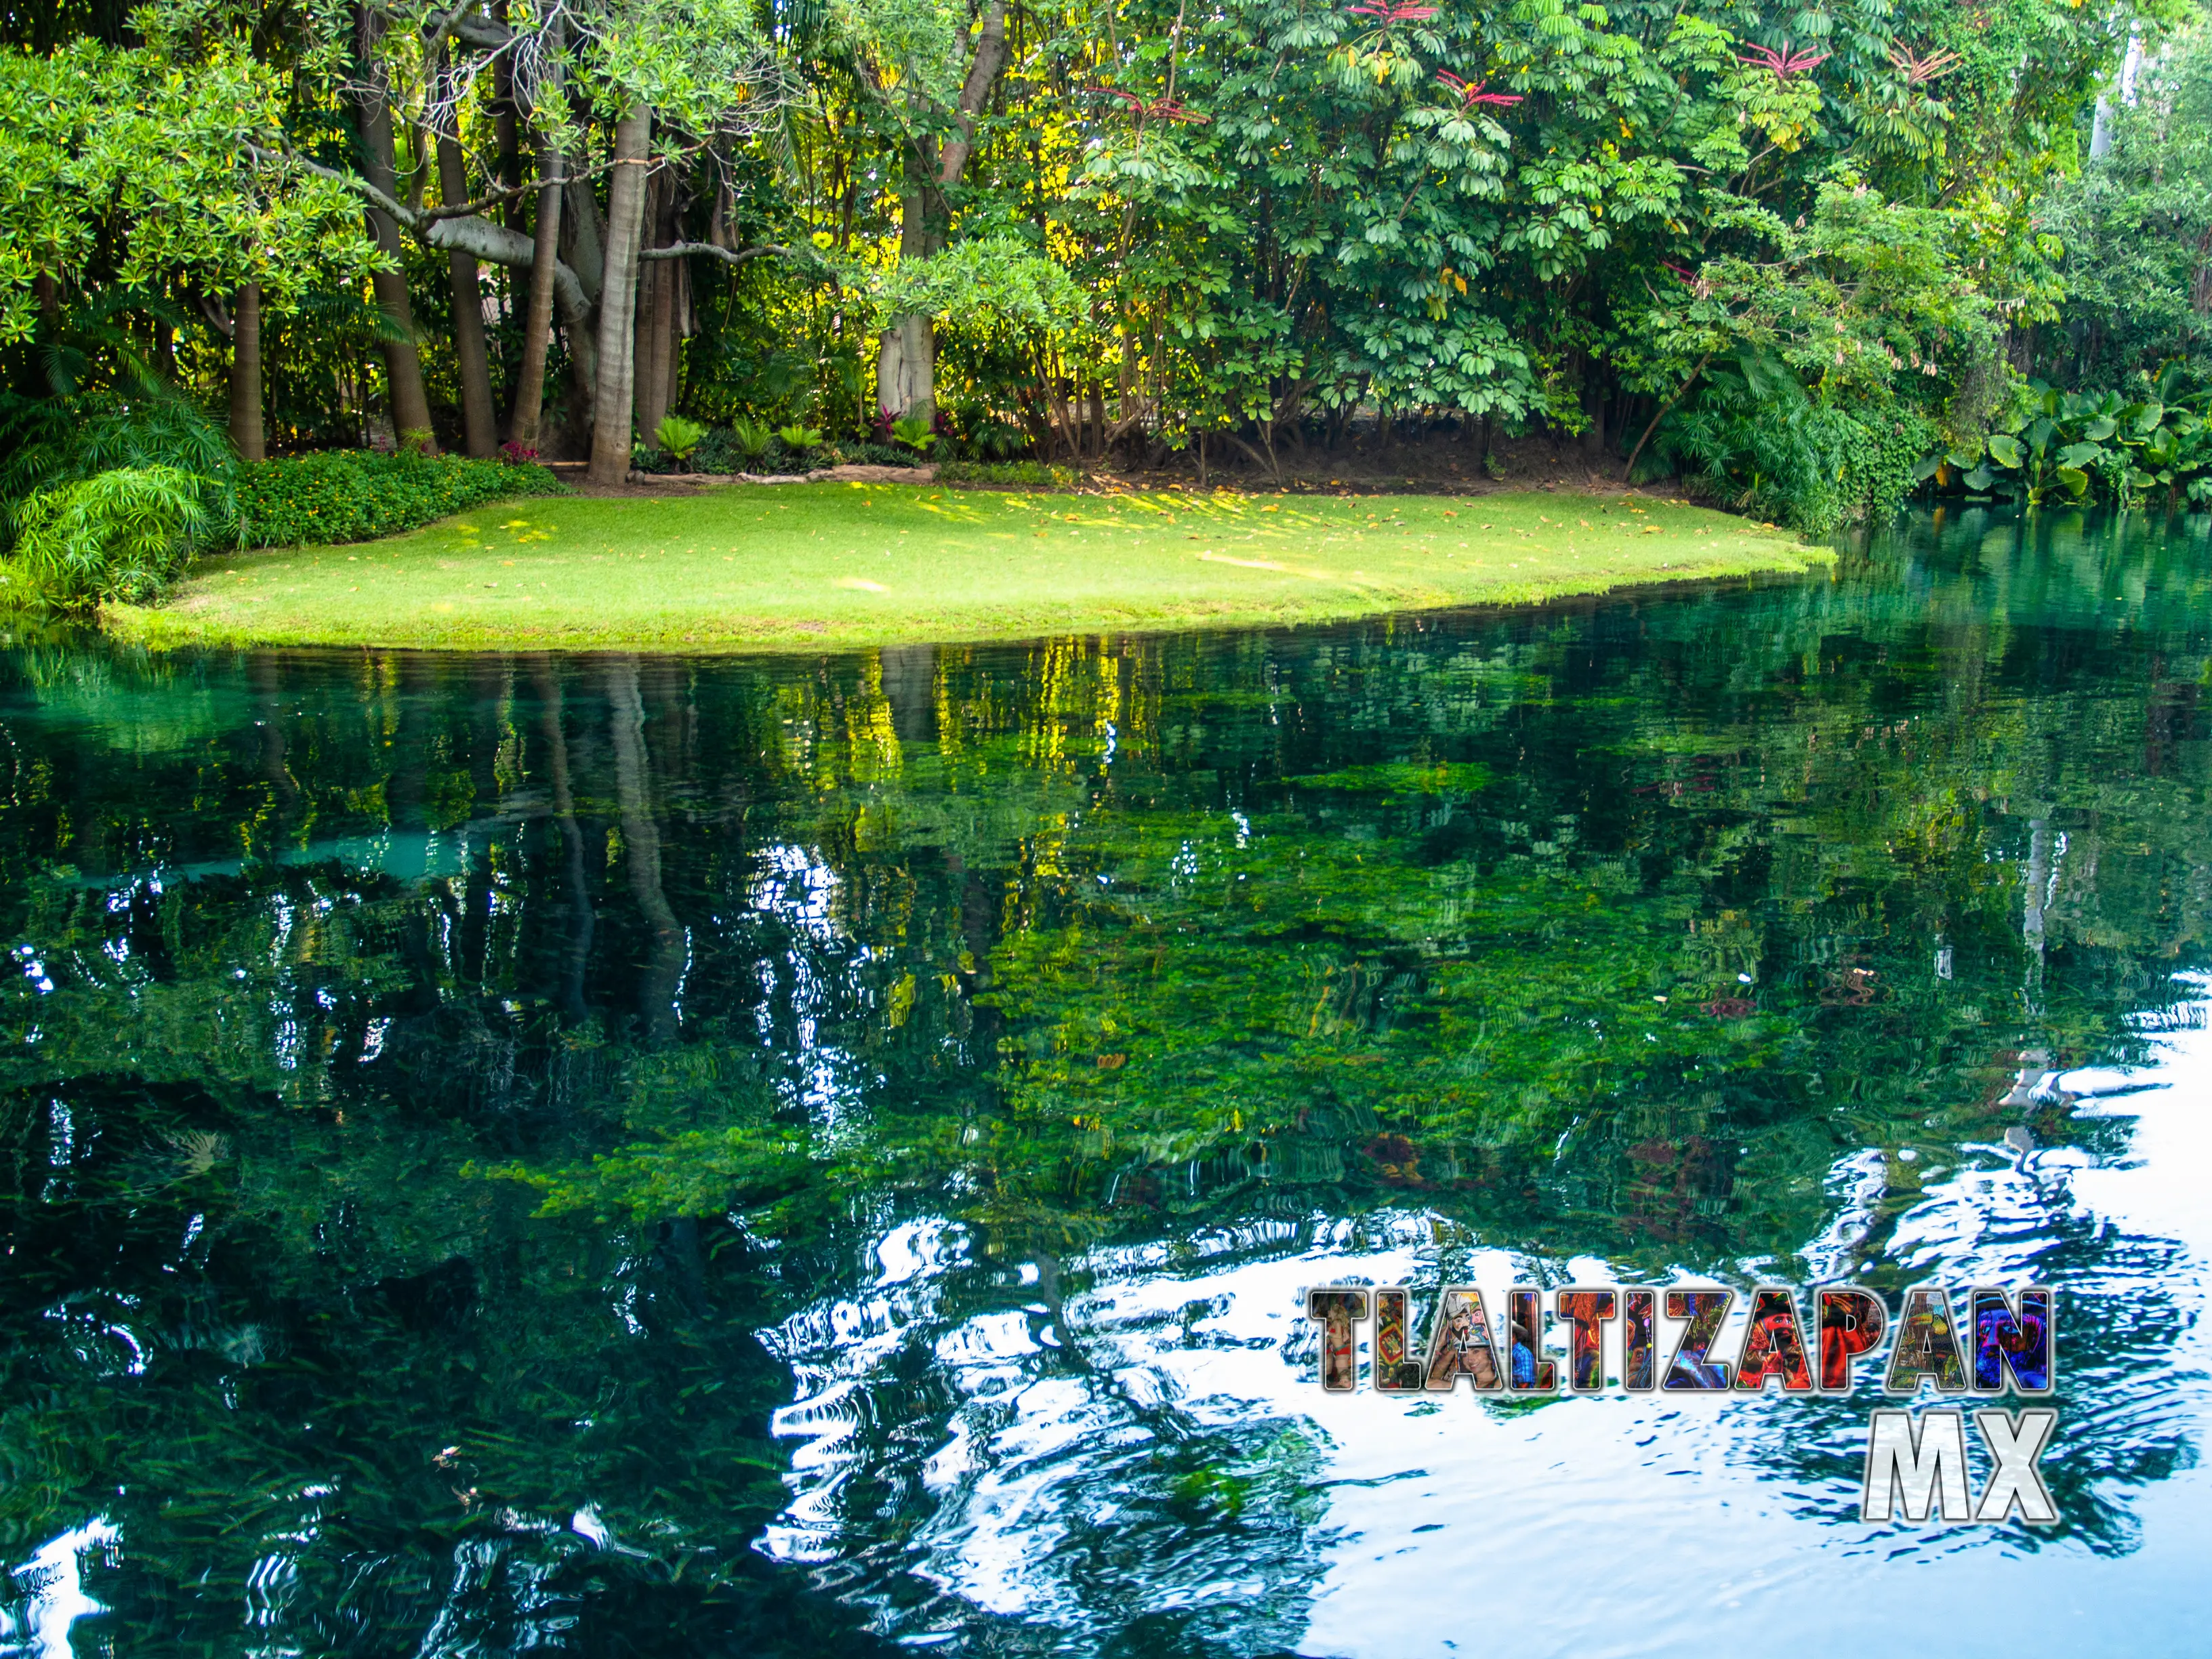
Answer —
(2136, 228)
(926, 86)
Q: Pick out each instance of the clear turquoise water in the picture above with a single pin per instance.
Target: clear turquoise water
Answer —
(677, 1157)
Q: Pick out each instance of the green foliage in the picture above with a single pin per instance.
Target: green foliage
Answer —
(2133, 227)
(131, 164)
(51, 442)
(1752, 435)
(798, 437)
(917, 432)
(1036, 473)
(355, 496)
(1848, 300)
(754, 441)
(996, 280)
(678, 436)
(1753, 439)
(2053, 444)
(1881, 466)
(124, 534)
(1252, 225)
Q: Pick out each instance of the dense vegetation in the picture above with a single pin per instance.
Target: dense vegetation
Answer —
(1809, 259)
(309, 499)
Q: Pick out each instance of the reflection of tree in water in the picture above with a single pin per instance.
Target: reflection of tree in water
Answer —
(2118, 1432)
(1608, 930)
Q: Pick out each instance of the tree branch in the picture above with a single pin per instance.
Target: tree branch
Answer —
(458, 232)
(990, 57)
(728, 256)
(1679, 390)
(496, 244)
(431, 214)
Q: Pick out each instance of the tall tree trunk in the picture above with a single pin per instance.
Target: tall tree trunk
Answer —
(611, 412)
(583, 237)
(906, 368)
(537, 327)
(578, 952)
(507, 129)
(906, 356)
(656, 306)
(479, 425)
(247, 434)
(663, 968)
(1595, 402)
(402, 361)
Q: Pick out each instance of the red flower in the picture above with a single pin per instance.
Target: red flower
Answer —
(1388, 12)
(1784, 66)
(1160, 109)
(1921, 71)
(1472, 92)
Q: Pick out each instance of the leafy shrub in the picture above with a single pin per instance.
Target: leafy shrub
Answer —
(718, 453)
(352, 495)
(2053, 446)
(743, 447)
(880, 455)
(798, 438)
(1882, 468)
(1036, 473)
(1754, 439)
(49, 441)
(979, 435)
(753, 440)
(914, 431)
(123, 534)
(678, 436)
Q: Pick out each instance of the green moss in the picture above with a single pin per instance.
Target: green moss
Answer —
(1403, 778)
(805, 566)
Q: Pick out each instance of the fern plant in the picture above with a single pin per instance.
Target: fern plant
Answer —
(678, 437)
(124, 534)
(48, 443)
(753, 440)
(798, 438)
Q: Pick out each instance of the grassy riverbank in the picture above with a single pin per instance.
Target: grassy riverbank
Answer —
(800, 567)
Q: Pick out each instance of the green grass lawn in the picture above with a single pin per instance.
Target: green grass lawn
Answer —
(805, 566)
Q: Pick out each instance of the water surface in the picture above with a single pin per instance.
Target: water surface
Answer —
(658, 1157)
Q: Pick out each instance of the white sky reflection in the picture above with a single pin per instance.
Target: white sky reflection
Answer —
(1599, 1526)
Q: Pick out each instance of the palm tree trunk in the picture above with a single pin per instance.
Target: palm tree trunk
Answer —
(246, 434)
(611, 414)
(537, 327)
(402, 361)
(654, 309)
(479, 426)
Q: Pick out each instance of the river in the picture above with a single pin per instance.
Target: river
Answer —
(662, 1156)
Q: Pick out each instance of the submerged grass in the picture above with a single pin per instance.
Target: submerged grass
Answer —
(800, 567)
